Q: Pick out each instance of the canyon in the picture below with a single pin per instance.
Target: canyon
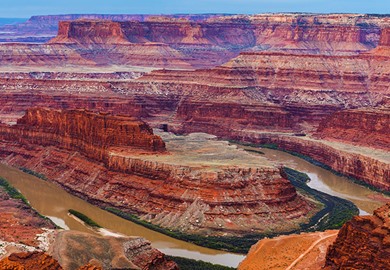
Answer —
(29, 239)
(116, 161)
(258, 92)
(80, 99)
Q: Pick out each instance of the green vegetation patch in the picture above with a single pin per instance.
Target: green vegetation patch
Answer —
(231, 243)
(84, 218)
(190, 264)
(33, 173)
(12, 192)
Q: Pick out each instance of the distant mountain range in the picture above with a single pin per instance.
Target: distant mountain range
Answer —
(4, 21)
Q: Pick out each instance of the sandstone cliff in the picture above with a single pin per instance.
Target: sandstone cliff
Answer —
(90, 133)
(187, 41)
(173, 190)
(361, 127)
(301, 32)
(372, 166)
(362, 243)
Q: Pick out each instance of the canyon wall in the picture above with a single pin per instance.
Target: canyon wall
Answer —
(185, 41)
(298, 32)
(362, 243)
(360, 127)
(191, 198)
(365, 164)
(92, 134)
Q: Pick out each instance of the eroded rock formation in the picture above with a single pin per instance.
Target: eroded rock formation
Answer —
(195, 196)
(362, 243)
(361, 127)
(29, 261)
(187, 41)
(73, 249)
(90, 133)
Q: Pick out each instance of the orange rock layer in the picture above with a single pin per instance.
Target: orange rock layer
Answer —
(362, 243)
(170, 42)
(29, 261)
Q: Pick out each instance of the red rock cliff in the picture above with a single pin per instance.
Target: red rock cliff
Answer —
(283, 31)
(92, 134)
(193, 197)
(361, 127)
(90, 32)
(362, 243)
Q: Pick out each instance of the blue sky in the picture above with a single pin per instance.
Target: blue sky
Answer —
(26, 8)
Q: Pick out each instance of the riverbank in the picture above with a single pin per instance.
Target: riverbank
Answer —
(53, 201)
(333, 215)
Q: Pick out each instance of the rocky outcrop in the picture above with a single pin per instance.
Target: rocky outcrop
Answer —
(385, 37)
(73, 249)
(29, 261)
(296, 32)
(360, 127)
(178, 190)
(91, 134)
(362, 243)
(39, 29)
(19, 223)
(186, 41)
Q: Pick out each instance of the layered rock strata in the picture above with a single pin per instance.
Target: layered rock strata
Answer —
(360, 127)
(362, 243)
(371, 166)
(174, 190)
(206, 41)
(90, 133)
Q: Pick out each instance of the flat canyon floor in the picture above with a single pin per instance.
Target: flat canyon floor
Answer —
(200, 150)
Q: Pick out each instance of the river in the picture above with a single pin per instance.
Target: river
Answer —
(52, 201)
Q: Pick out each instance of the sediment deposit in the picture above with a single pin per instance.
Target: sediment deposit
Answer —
(303, 251)
(362, 243)
(74, 249)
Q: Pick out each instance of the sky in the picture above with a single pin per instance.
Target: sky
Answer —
(27, 8)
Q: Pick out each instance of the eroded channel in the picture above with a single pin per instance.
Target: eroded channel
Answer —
(52, 201)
